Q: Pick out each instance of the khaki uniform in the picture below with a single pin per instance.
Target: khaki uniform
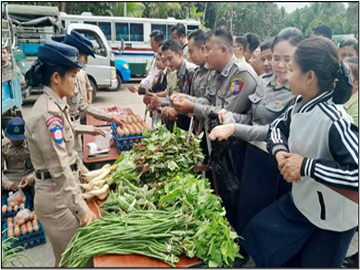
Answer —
(15, 163)
(78, 104)
(228, 89)
(185, 51)
(58, 200)
(84, 87)
(267, 103)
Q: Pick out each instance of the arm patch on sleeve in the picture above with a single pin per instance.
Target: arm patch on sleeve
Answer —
(237, 84)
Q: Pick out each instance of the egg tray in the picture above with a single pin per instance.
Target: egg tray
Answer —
(29, 204)
(28, 240)
(125, 143)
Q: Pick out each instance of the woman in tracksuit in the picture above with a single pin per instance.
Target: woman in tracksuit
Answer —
(316, 146)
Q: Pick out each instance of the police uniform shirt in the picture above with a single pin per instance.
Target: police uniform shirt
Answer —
(199, 81)
(15, 163)
(181, 82)
(268, 102)
(185, 51)
(84, 84)
(325, 136)
(51, 143)
(78, 104)
(231, 89)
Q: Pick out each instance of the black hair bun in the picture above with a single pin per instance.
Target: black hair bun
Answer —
(344, 85)
(34, 76)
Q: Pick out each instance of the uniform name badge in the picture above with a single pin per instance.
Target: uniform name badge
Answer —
(57, 134)
(237, 85)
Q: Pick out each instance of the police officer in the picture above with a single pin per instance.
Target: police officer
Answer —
(76, 101)
(184, 72)
(58, 199)
(228, 87)
(178, 32)
(19, 171)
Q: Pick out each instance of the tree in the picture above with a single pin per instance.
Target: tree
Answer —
(133, 9)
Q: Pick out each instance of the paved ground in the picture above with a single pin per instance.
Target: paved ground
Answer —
(42, 256)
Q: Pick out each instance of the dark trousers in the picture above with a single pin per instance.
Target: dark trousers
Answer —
(280, 236)
(261, 185)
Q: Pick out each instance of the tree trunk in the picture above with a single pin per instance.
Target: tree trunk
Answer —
(203, 19)
(63, 6)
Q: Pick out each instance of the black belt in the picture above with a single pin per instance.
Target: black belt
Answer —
(74, 117)
(47, 175)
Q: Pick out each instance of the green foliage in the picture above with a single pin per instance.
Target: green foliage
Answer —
(11, 256)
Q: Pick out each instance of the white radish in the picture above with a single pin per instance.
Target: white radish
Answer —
(102, 197)
(103, 175)
(100, 192)
(85, 186)
(96, 173)
(87, 196)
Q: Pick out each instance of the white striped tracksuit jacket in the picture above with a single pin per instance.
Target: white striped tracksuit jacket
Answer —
(325, 136)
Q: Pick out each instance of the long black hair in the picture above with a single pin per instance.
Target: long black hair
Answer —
(320, 55)
(40, 73)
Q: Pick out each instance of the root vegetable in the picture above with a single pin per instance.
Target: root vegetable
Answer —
(99, 192)
(96, 173)
(87, 196)
(102, 176)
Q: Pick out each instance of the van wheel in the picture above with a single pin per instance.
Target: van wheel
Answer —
(118, 77)
(94, 87)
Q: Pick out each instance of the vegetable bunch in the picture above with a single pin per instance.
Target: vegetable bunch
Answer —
(152, 233)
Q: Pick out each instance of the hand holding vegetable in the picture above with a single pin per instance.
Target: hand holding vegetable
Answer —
(183, 106)
(87, 218)
(222, 132)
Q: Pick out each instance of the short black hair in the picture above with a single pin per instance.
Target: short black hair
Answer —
(157, 35)
(199, 37)
(172, 45)
(291, 34)
(352, 42)
(253, 41)
(323, 30)
(180, 29)
(224, 34)
(266, 45)
(242, 40)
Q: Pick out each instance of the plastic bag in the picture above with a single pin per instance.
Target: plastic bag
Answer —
(16, 198)
(23, 216)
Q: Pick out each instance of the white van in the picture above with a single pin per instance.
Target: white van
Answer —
(101, 69)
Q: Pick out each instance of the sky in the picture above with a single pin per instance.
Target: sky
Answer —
(292, 6)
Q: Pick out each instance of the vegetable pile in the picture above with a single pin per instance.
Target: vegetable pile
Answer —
(160, 208)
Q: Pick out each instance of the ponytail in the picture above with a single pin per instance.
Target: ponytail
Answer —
(343, 88)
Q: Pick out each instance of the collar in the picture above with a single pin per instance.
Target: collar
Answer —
(182, 70)
(228, 66)
(272, 83)
(55, 97)
(312, 103)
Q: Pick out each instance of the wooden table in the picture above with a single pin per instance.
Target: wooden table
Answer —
(90, 120)
(113, 153)
(135, 261)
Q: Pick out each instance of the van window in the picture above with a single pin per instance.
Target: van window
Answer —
(98, 45)
(106, 28)
(160, 27)
(91, 22)
(191, 28)
(122, 31)
(168, 33)
(136, 32)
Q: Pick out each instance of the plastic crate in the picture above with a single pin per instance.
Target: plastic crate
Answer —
(29, 204)
(27, 240)
(125, 143)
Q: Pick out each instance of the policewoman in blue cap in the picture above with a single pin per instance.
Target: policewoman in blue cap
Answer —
(77, 103)
(58, 201)
(17, 170)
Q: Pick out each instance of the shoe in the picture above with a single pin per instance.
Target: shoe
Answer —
(352, 261)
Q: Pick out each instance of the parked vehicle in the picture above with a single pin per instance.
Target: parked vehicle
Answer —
(128, 36)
